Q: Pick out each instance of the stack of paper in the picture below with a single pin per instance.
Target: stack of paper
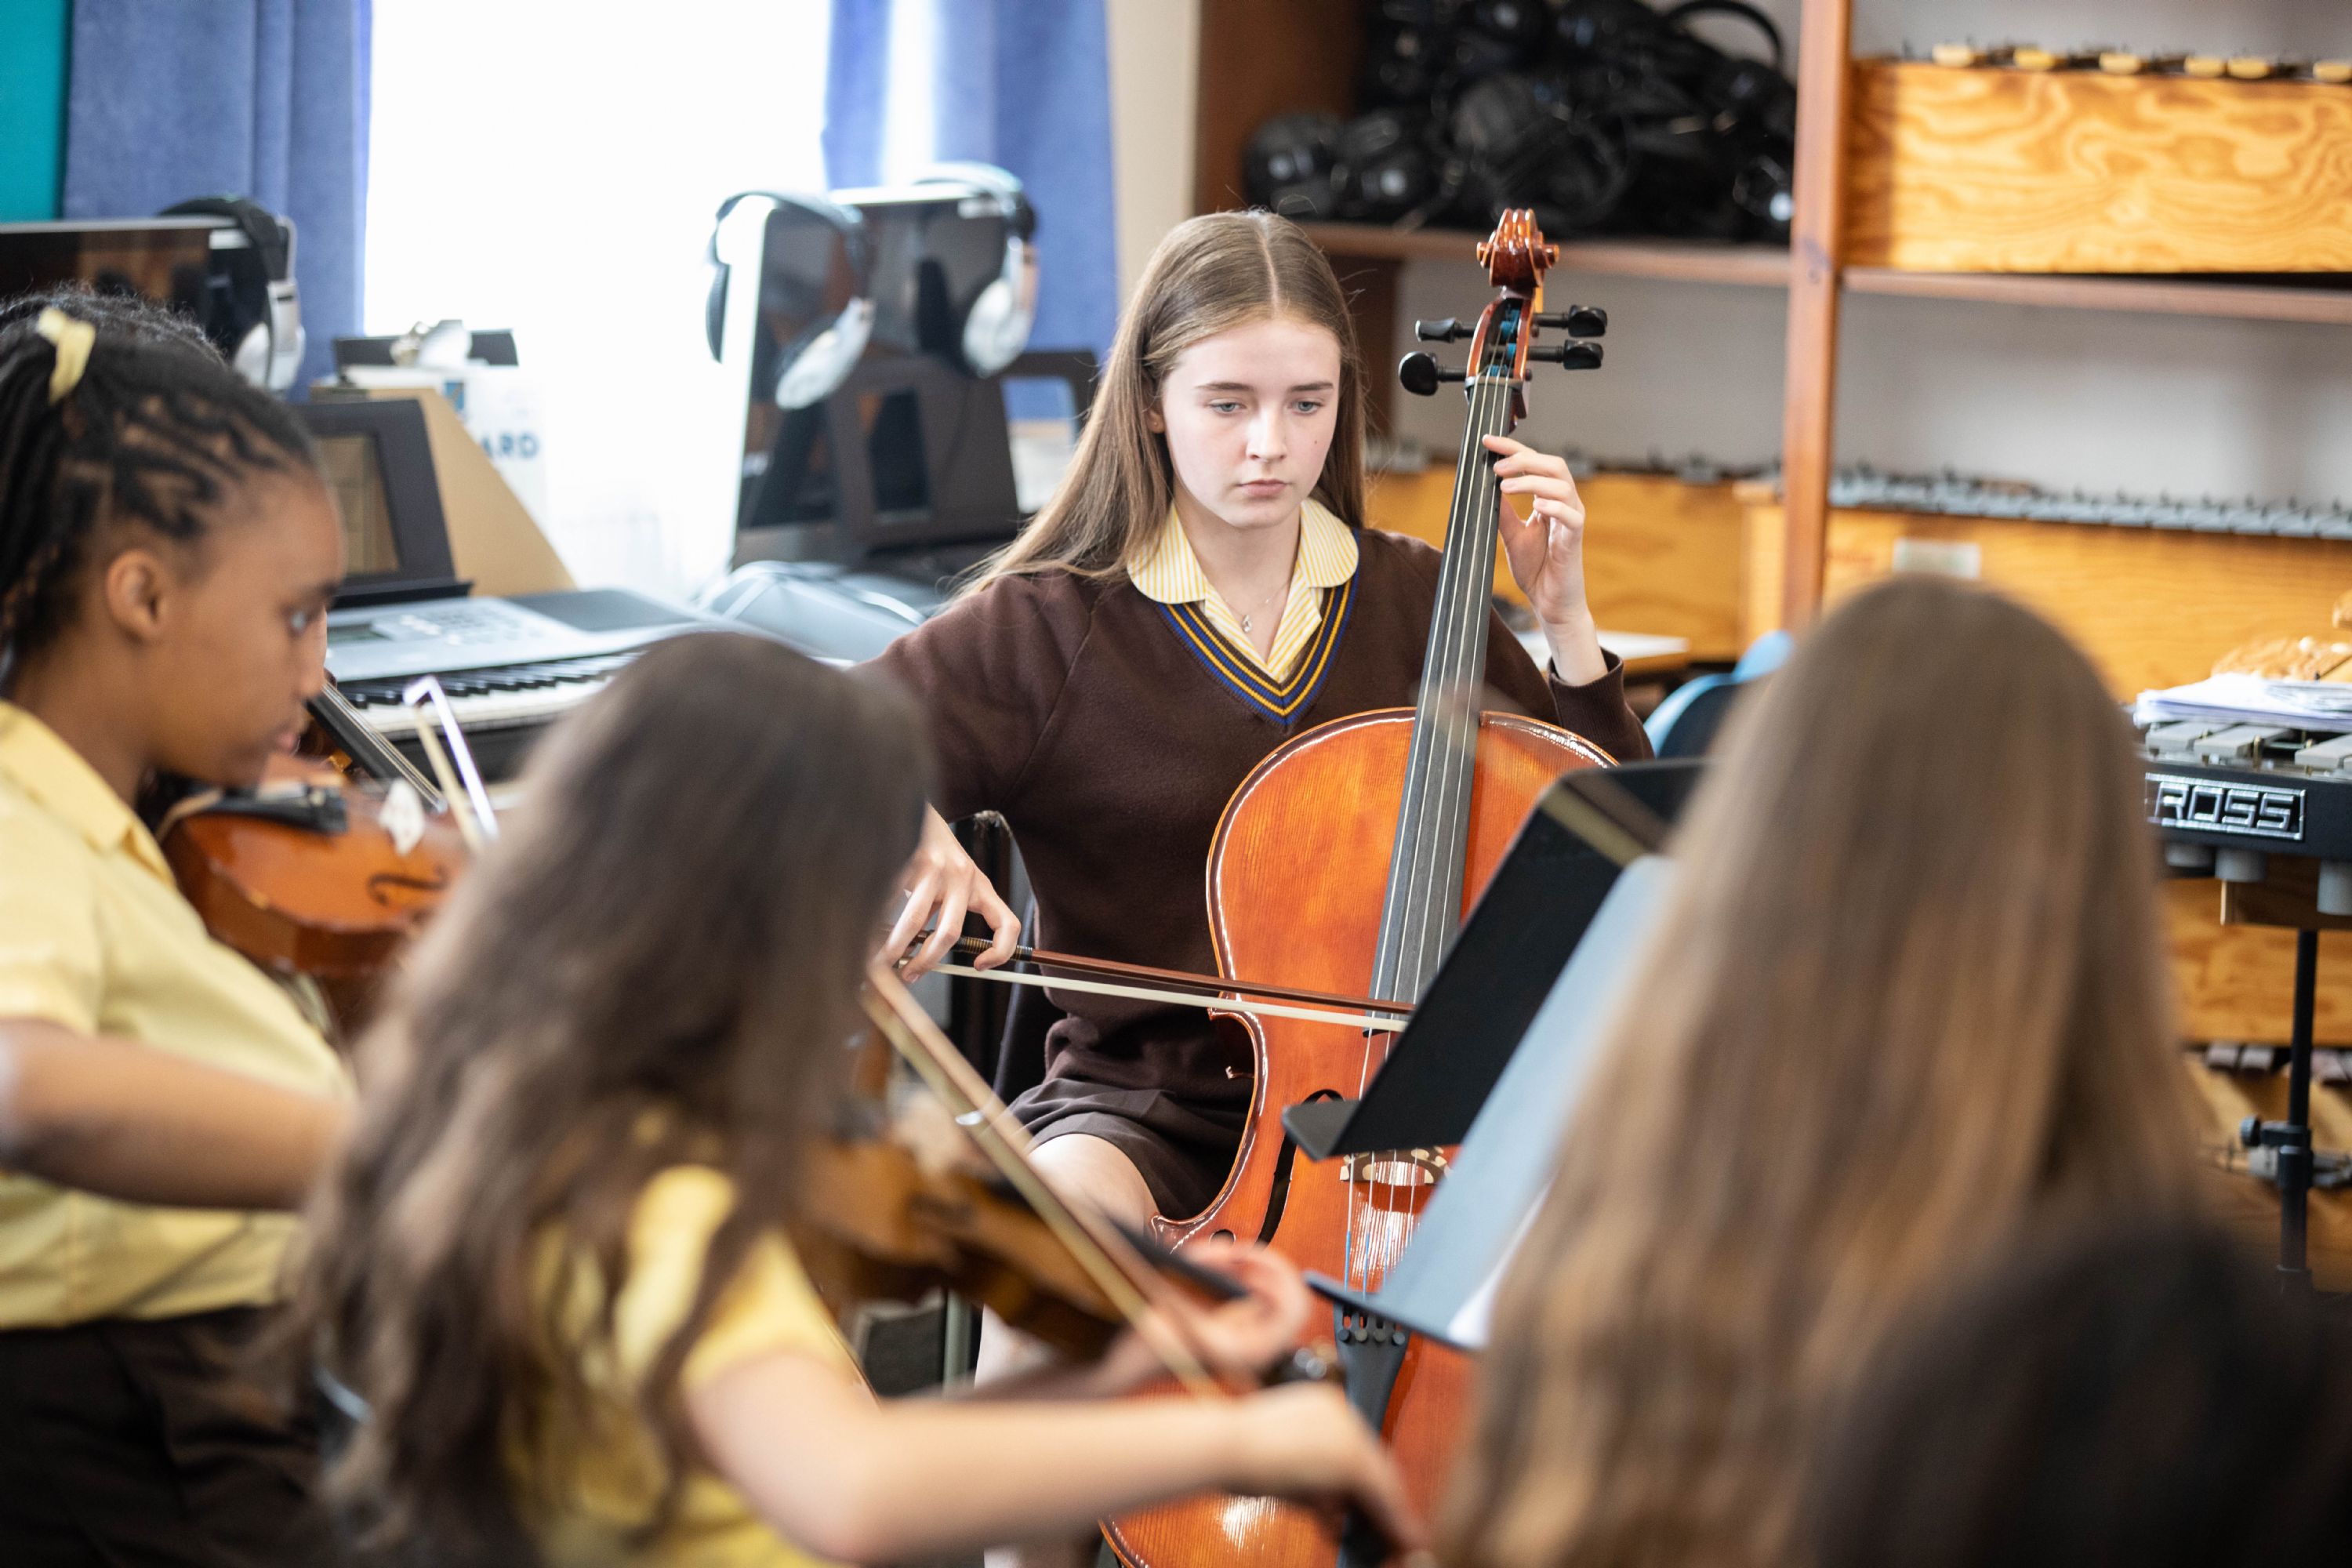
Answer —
(2250, 699)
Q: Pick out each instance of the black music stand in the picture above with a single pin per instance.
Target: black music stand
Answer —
(1497, 1049)
(1502, 964)
(1443, 1285)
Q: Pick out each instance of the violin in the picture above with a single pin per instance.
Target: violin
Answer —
(895, 1206)
(312, 874)
(1396, 819)
(882, 1221)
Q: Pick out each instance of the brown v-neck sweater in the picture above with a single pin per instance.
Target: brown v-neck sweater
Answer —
(1078, 708)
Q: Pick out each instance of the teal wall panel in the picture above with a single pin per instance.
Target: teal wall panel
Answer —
(32, 106)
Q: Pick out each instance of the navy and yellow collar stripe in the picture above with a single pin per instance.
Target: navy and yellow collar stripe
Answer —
(1281, 700)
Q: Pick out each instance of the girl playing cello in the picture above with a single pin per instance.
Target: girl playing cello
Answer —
(1200, 590)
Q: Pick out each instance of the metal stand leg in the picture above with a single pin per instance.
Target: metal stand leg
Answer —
(2294, 1135)
(2282, 1150)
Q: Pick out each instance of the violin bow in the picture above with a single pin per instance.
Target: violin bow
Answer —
(480, 822)
(1108, 1259)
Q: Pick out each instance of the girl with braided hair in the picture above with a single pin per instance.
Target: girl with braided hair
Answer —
(167, 553)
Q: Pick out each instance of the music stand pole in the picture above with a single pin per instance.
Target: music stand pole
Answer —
(2295, 1136)
(2290, 1140)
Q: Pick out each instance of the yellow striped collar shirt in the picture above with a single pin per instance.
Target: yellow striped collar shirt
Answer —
(1167, 572)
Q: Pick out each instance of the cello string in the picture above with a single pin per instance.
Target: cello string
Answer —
(1437, 711)
(1405, 873)
(1437, 799)
(1444, 826)
(1438, 700)
(1457, 749)
(1408, 873)
(1416, 861)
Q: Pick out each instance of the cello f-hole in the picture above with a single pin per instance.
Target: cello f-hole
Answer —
(1278, 1197)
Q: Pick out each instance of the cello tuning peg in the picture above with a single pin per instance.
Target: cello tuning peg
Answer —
(1570, 355)
(1420, 374)
(1447, 330)
(1577, 322)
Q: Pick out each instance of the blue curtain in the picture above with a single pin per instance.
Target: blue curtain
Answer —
(266, 99)
(1025, 84)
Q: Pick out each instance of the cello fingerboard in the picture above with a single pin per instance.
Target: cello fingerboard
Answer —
(1423, 903)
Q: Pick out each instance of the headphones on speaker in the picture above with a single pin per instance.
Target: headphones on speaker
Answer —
(994, 326)
(815, 296)
(251, 309)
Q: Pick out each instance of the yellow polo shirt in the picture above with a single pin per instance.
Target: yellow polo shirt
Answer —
(95, 936)
(587, 1502)
(1168, 573)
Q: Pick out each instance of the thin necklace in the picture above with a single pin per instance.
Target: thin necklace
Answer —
(1283, 587)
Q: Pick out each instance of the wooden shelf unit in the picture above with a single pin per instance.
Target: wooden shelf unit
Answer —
(1257, 60)
(1680, 261)
(1827, 107)
(1767, 266)
(2314, 304)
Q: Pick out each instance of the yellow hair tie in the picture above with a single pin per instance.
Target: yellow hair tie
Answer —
(71, 337)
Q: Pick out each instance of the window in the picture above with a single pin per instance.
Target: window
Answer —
(554, 170)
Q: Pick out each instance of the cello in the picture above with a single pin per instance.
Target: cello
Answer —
(1343, 864)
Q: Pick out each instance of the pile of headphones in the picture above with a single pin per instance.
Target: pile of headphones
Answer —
(946, 267)
(1605, 116)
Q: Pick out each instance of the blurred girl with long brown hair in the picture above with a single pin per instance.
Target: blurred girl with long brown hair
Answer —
(1907, 1004)
(552, 1259)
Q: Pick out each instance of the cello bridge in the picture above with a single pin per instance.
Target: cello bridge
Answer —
(1394, 1168)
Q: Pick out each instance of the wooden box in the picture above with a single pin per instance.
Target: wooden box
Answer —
(2151, 606)
(1977, 170)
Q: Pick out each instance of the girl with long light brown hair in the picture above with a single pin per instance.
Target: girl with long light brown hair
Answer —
(1200, 590)
(552, 1259)
(1906, 1005)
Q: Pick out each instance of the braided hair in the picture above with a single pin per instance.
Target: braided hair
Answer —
(133, 316)
(153, 434)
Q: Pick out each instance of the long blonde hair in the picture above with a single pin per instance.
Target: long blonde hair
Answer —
(1212, 273)
(1909, 999)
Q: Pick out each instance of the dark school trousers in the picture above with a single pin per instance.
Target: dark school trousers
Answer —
(126, 1443)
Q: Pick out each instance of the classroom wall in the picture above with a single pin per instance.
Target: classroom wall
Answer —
(2103, 400)
(1154, 77)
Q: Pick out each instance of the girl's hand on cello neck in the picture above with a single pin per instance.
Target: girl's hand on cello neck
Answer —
(942, 884)
(1546, 550)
